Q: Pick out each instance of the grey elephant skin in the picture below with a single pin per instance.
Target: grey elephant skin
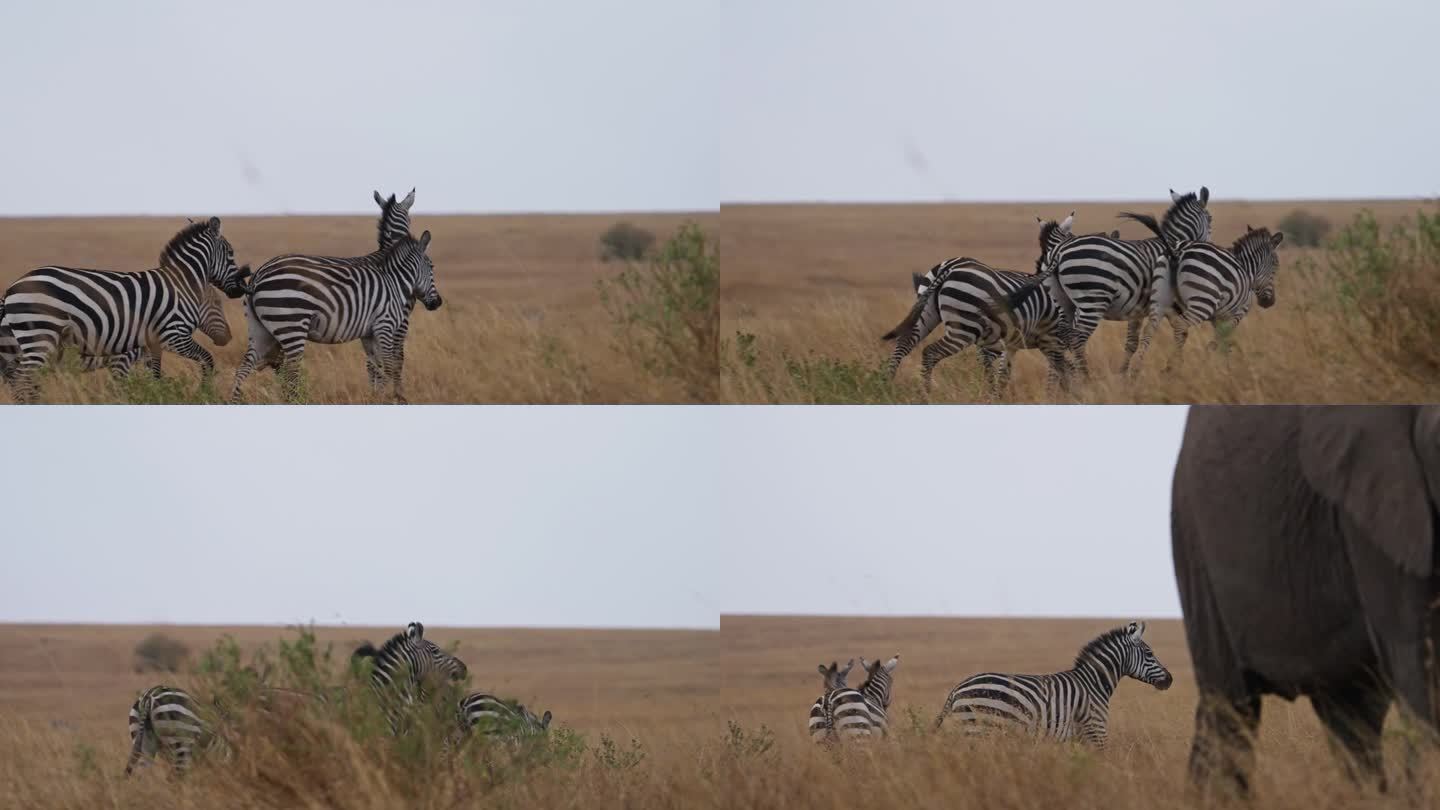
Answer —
(1304, 542)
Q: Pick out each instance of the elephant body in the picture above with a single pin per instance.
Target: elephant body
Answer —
(1303, 541)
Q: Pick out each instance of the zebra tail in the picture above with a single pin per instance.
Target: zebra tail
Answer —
(366, 650)
(916, 312)
(1164, 278)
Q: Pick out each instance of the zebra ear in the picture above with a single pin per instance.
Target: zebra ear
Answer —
(824, 670)
(545, 720)
(424, 240)
(416, 630)
(408, 201)
(380, 201)
(1174, 198)
(1135, 629)
(1069, 223)
(892, 663)
(1204, 195)
(214, 226)
(917, 281)
(1277, 238)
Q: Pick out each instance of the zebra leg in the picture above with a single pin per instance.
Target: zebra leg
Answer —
(392, 351)
(184, 345)
(290, 372)
(998, 364)
(1058, 373)
(374, 369)
(180, 754)
(934, 353)
(987, 368)
(1226, 326)
(1086, 322)
(1181, 329)
(1354, 716)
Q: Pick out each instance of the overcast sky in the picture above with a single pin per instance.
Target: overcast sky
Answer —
(495, 516)
(900, 100)
(275, 106)
(953, 511)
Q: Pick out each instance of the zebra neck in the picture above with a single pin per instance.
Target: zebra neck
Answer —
(192, 279)
(1101, 677)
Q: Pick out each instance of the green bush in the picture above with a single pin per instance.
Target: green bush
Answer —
(1305, 229)
(158, 652)
(667, 312)
(625, 242)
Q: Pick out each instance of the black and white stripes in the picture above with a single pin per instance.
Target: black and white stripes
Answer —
(497, 718)
(405, 671)
(168, 721)
(854, 713)
(1073, 704)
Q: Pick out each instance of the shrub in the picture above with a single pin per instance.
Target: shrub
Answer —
(1304, 228)
(667, 312)
(158, 652)
(625, 242)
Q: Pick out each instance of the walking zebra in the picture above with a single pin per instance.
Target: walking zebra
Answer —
(213, 325)
(834, 679)
(1096, 278)
(109, 313)
(168, 719)
(499, 719)
(403, 670)
(851, 713)
(1063, 706)
(1211, 284)
(336, 300)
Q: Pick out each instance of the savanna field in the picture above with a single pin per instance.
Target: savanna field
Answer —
(807, 291)
(524, 319)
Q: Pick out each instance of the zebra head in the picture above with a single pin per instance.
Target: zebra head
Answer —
(394, 218)
(1138, 660)
(835, 676)
(202, 251)
(1188, 219)
(878, 679)
(1257, 250)
(424, 288)
(409, 659)
(533, 724)
(212, 317)
(1052, 235)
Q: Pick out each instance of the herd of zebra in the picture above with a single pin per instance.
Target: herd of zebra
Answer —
(1069, 705)
(1081, 280)
(117, 318)
(171, 722)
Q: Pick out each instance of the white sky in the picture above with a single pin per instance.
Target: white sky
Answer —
(958, 511)
(494, 516)
(276, 106)
(901, 100)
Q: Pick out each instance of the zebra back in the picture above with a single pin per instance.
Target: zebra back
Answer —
(499, 718)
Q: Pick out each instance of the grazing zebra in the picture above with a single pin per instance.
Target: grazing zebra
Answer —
(295, 299)
(110, 313)
(499, 719)
(403, 670)
(851, 713)
(168, 719)
(1097, 277)
(212, 324)
(834, 678)
(1211, 284)
(1063, 706)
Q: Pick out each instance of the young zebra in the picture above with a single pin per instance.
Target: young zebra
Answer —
(851, 713)
(295, 299)
(1211, 284)
(1063, 706)
(212, 324)
(1097, 277)
(969, 297)
(497, 718)
(834, 679)
(394, 218)
(404, 668)
(168, 719)
(109, 313)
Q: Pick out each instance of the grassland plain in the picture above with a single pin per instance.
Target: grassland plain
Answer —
(807, 290)
(522, 323)
(65, 691)
(770, 681)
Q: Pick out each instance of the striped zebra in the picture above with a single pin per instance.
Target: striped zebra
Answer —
(1096, 278)
(213, 325)
(394, 218)
(167, 719)
(969, 298)
(1211, 284)
(497, 718)
(834, 679)
(295, 299)
(1074, 704)
(109, 313)
(404, 669)
(851, 713)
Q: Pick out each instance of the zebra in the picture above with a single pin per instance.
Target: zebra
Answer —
(169, 719)
(851, 713)
(1074, 704)
(295, 299)
(213, 325)
(1209, 283)
(394, 218)
(403, 669)
(499, 719)
(834, 678)
(1098, 277)
(109, 313)
(968, 297)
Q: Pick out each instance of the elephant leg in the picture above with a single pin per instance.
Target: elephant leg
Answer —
(1354, 716)
(1223, 752)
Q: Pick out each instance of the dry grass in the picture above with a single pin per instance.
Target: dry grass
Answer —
(522, 322)
(820, 283)
(65, 691)
(770, 680)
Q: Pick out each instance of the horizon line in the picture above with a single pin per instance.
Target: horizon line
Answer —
(373, 214)
(357, 625)
(961, 617)
(1076, 200)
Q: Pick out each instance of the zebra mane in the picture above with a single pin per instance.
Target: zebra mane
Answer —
(1251, 239)
(1176, 207)
(1046, 230)
(1098, 642)
(172, 248)
(394, 643)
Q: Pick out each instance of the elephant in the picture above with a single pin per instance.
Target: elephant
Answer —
(1304, 543)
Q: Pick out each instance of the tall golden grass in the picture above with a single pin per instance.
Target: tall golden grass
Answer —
(807, 290)
(65, 691)
(770, 682)
(522, 323)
